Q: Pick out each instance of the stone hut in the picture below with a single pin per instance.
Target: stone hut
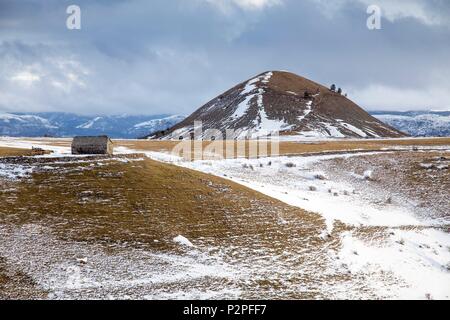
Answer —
(92, 145)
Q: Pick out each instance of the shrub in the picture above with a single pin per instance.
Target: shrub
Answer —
(290, 165)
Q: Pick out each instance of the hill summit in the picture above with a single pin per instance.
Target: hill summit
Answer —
(283, 102)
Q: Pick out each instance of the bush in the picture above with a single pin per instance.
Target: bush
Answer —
(320, 177)
(290, 165)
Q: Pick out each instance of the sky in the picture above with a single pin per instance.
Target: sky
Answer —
(172, 56)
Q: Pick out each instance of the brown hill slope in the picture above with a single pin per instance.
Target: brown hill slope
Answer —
(281, 102)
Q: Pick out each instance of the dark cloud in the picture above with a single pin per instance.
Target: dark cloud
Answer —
(172, 56)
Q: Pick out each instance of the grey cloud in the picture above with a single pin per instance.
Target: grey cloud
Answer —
(172, 56)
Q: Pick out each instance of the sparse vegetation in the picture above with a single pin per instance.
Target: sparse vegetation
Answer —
(248, 166)
(290, 165)
(405, 179)
(146, 204)
(14, 152)
(295, 148)
(285, 148)
(15, 285)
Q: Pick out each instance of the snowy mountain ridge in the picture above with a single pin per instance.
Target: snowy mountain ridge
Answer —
(58, 124)
(418, 123)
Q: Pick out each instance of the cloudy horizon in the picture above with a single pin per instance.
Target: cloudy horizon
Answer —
(171, 57)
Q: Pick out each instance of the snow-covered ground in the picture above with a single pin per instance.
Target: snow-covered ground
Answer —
(74, 270)
(396, 252)
(24, 143)
(415, 252)
(294, 181)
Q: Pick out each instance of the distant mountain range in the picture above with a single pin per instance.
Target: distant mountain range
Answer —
(57, 124)
(418, 123)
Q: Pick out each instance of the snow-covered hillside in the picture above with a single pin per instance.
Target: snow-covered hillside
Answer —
(66, 125)
(151, 126)
(280, 102)
(418, 123)
(15, 125)
(410, 242)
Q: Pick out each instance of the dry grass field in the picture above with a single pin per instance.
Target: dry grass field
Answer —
(14, 152)
(138, 202)
(123, 213)
(285, 148)
(143, 205)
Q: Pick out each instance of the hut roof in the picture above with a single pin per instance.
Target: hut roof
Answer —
(91, 139)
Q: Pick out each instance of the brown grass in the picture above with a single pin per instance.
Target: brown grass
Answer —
(15, 285)
(285, 148)
(288, 148)
(136, 203)
(143, 201)
(15, 152)
(335, 146)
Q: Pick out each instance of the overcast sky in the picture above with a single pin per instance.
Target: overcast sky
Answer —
(172, 56)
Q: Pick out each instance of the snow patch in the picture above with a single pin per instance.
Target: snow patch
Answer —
(419, 259)
(89, 124)
(354, 129)
(183, 241)
(13, 172)
(307, 111)
(334, 131)
(159, 122)
(249, 94)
